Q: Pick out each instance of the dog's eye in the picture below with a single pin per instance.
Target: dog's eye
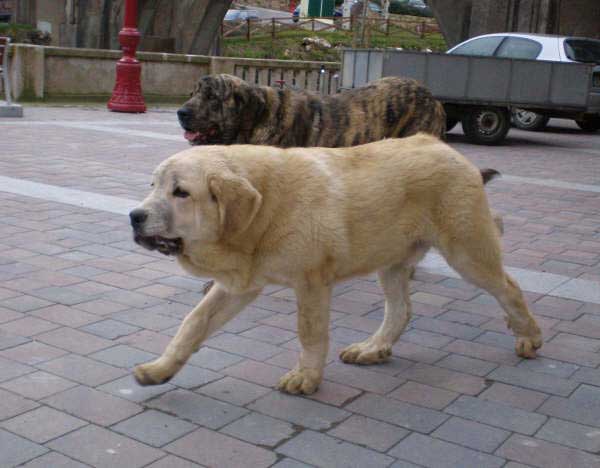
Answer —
(180, 193)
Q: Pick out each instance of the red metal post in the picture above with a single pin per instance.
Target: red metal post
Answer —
(127, 93)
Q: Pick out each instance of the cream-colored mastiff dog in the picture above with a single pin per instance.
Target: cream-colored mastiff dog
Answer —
(306, 218)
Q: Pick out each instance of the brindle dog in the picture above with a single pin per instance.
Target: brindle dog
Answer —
(224, 109)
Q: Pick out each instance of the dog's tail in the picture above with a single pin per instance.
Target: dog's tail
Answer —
(489, 174)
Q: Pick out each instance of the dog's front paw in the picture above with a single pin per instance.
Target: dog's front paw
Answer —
(366, 353)
(152, 373)
(300, 380)
(525, 346)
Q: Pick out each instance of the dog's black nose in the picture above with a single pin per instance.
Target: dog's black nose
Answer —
(137, 217)
(184, 114)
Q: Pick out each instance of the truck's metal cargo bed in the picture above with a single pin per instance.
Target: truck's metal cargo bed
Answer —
(456, 79)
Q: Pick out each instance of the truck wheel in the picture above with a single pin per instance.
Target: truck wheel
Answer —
(486, 125)
(527, 120)
(450, 123)
(589, 124)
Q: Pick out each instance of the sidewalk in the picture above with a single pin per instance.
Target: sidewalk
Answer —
(81, 304)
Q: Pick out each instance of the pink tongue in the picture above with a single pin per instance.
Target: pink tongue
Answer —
(191, 136)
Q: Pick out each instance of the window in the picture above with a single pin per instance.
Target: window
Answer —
(583, 50)
(519, 48)
(483, 47)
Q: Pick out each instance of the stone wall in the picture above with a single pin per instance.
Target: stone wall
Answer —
(81, 74)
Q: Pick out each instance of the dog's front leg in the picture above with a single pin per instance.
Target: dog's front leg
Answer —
(215, 309)
(313, 331)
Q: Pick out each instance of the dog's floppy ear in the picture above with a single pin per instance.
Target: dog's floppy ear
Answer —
(250, 100)
(238, 202)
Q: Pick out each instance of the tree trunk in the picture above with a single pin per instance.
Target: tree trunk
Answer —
(208, 30)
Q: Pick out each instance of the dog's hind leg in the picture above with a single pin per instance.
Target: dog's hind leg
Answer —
(215, 309)
(479, 260)
(378, 347)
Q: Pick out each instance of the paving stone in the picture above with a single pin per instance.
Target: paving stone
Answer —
(8, 341)
(464, 318)
(110, 329)
(418, 353)
(243, 346)
(536, 452)
(28, 326)
(65, 315)
(456, 330)
(576, 341)
(171, 461)
(514, 396)
(43, 424)
(574, 355)
(82, 370)
(434, 453)
(269, 334)
(549, 366)
(220, 450)
(104, 449)
(533, 380)
(154, 428)
(583, 406)
(334, 394)
(198, 409)
(191, 377)
(325, 451)
(6, 315)
(37, 385)
(53, 460)
(424, 395)
(25, 303)
(361, 377)
(11, 369)
(126, 387)
(444, 378)
(256, 372)
(396, 412)
(15, 450)
(496, 414)
(74, 340)
(467, 365)
(235, 391)
(93, 405)
(297, 410)
(422, 337)
(213, 359)
(471, 434)
(371, 433)
(145, 319)
(571, 434)
(123, 356)
(289, 463)
(259, 430)
(100, 307)
(12, 405)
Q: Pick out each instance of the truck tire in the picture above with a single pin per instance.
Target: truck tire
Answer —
(589, 124)
(527, 120)
(450, 123)
(486, 125)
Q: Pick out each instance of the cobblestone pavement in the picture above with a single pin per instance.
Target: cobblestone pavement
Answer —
(80, 304)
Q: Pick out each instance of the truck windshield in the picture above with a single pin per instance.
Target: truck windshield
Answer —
(583, 50)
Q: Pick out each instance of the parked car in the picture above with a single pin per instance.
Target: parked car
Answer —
(240, 15)
(410, 7)
(536, 47)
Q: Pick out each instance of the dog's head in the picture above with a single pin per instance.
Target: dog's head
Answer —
(196, 197)
(220, 107)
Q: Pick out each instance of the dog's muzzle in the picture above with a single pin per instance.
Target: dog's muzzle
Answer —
(163, 244)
